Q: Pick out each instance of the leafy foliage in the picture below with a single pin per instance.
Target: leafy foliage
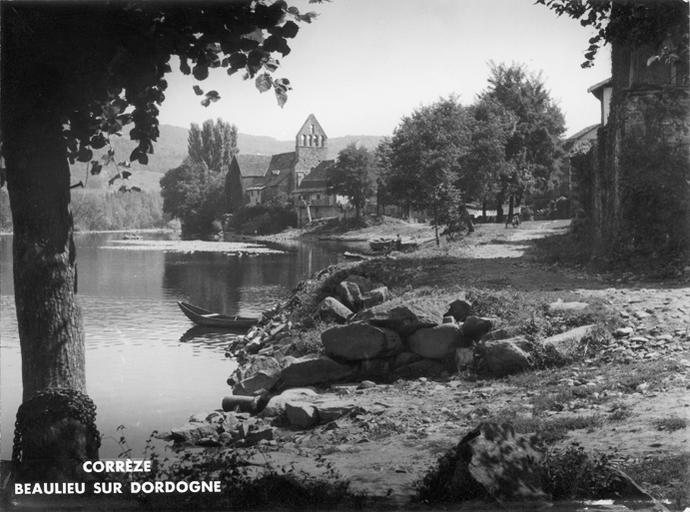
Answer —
(214, 144)
(117, 210)
(635, 22)
(110, 71)
(532, 145)
(424, 158)
(352, 175)
(195, 196)
(263, 219)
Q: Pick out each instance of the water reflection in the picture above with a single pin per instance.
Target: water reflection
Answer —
(148, 367)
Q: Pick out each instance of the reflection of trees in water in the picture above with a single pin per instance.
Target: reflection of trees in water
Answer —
(213, 281)
(224, 283)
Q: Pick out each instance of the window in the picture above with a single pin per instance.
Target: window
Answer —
(304, 140)
(311, 128)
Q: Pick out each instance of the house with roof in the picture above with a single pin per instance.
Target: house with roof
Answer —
(311, 198)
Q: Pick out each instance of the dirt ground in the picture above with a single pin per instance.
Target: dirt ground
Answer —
(630, 401)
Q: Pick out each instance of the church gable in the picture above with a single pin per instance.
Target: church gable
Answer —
(312, 134)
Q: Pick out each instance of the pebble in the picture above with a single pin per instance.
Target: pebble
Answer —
(623, 331)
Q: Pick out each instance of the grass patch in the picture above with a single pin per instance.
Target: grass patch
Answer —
(671, 424)
(664, 478)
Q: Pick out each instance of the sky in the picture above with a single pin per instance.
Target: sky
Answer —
(362, 65)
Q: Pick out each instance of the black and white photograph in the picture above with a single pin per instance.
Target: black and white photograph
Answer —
(263, 255)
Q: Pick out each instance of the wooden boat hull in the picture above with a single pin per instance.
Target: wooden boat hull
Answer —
(201, 316)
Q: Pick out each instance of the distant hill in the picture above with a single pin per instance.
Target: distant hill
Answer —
(171, 149)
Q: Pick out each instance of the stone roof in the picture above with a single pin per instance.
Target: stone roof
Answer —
(253, 165)
(318, 177)
(281, 161)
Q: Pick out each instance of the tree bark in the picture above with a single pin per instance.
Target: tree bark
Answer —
(511, 207)
(499, 207)
(49, 319)
(484, 210)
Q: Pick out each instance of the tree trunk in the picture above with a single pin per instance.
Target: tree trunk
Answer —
(484, 210)
(45, 274)
(438, 242)
(511, 207)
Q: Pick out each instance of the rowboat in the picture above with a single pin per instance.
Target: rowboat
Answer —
(201, 316)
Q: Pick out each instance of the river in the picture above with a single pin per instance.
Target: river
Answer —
(144, 370)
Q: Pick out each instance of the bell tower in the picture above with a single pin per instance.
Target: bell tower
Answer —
(311, 148)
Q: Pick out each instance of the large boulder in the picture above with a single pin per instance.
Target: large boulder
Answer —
(474, 327)
(375, 297)
(357, 341)
(257, 384)
(459, 309)
(405, 358)
(364, 283)
(276, 405)
(566, 345)
(499, 358)
(333, 310)
(350, 294)
(301, 414)
(435, 342)
(267, 365)
(311, 370)
(403, 319)
(490, 462)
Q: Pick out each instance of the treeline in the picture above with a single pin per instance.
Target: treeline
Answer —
(503, 148)
(99, 211)
(96, 211)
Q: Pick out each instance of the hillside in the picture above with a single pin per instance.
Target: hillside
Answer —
(171, 150)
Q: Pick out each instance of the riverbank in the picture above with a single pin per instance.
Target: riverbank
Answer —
(368, 229)
(623, 396)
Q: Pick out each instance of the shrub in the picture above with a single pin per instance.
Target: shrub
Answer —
(263, 219)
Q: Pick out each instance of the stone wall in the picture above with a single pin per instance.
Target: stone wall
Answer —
(634, 185)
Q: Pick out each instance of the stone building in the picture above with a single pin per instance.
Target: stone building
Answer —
(633, 185)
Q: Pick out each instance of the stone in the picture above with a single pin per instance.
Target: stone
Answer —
(623, 332)
(566, 345)
(259, 433)
(357, 341)
(502, 333)
(375, 297)
(459, 309)
(498, 358)
(404, 319)
(258, 384)
(364, 283)
(276, 405)
(301, 414)
(193, 432)
(464, 357)
(405, 358)
(330, 409)
(350, 295)
(421, 368)
(435, 342)
(366, 384)
(256, 365)
(474, 327)
(334, 310)
(492, 461)
(311, 370)
(566, 307)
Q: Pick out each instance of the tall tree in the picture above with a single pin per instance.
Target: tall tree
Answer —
(425, 156)
(351, 176)
(234, 194)
(533, 146)
(214, 144)
(74, 74)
